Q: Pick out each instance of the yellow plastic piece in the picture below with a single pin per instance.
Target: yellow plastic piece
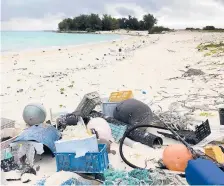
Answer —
(89, 132)
(215, 152)
(120, 96)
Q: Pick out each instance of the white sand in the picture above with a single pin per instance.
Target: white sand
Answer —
(144, 64)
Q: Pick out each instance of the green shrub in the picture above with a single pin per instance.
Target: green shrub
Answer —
(158, 29)
(209, 28)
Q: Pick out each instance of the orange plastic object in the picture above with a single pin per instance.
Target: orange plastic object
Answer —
(120, 96)
(176, 157)
(215, 152)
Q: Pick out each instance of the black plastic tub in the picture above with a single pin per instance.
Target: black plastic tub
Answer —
(221, 116)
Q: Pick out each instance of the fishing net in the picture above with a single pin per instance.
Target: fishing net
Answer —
(141, 177)
(134, 177)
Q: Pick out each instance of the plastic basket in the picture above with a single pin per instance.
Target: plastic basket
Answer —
(7, 123)
(94, 162)
(202, 131)
(108, 108)
(88, 103)
(120, 96)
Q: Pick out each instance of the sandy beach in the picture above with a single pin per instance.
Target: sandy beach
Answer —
(152, 66)
(153, 63)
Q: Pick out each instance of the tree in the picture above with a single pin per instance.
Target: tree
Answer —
(82, 22)
(141, 25)
(61, 26)
(74, 24)
(107, 22)
(149, 21)
(115, 24)
(209, 28)
(66, 24)
(133, 23)
(122, 23)
(95, 22)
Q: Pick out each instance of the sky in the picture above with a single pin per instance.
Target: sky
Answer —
(46, 14)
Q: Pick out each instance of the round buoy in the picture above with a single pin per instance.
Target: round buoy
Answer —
(176, 157)
(102, 127)
(34, 113)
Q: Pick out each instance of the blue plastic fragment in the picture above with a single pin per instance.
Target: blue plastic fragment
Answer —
(42, 133)
(203, 172)
(41, 182)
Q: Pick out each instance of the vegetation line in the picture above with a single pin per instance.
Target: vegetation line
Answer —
(93, 22)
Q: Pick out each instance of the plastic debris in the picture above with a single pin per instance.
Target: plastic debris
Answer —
(7, 123)
(117, 131)
(8, 164)
(27, 177)
(176, 157)
(43, 133)
(204, 172)
(27, 149)
(88, 103)
(215, 152)
(120, 96)
(134, 177)
(34, 113)
(63, 178)
(102, 128)
(141, 177)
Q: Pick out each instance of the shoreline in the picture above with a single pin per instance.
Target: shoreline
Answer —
(48, 48)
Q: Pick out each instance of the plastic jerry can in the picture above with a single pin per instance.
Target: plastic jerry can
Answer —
(203, 172)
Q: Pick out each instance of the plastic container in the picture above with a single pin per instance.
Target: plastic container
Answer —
(120, 96)
(80, 146)
(88, 103)
(221, 116)
(108, 108)
(95, 162)
(8, 126)
(7, 123)
(203, 172)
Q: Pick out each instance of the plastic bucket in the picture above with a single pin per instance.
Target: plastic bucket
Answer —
(221, 116)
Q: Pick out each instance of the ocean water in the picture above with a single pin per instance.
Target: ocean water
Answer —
(23, 40)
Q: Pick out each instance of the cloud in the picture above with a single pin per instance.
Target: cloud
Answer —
(48, 22)
(125, 9)
(191, 13)
(45, 14)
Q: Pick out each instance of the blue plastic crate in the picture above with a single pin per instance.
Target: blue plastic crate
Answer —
(92, 162)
